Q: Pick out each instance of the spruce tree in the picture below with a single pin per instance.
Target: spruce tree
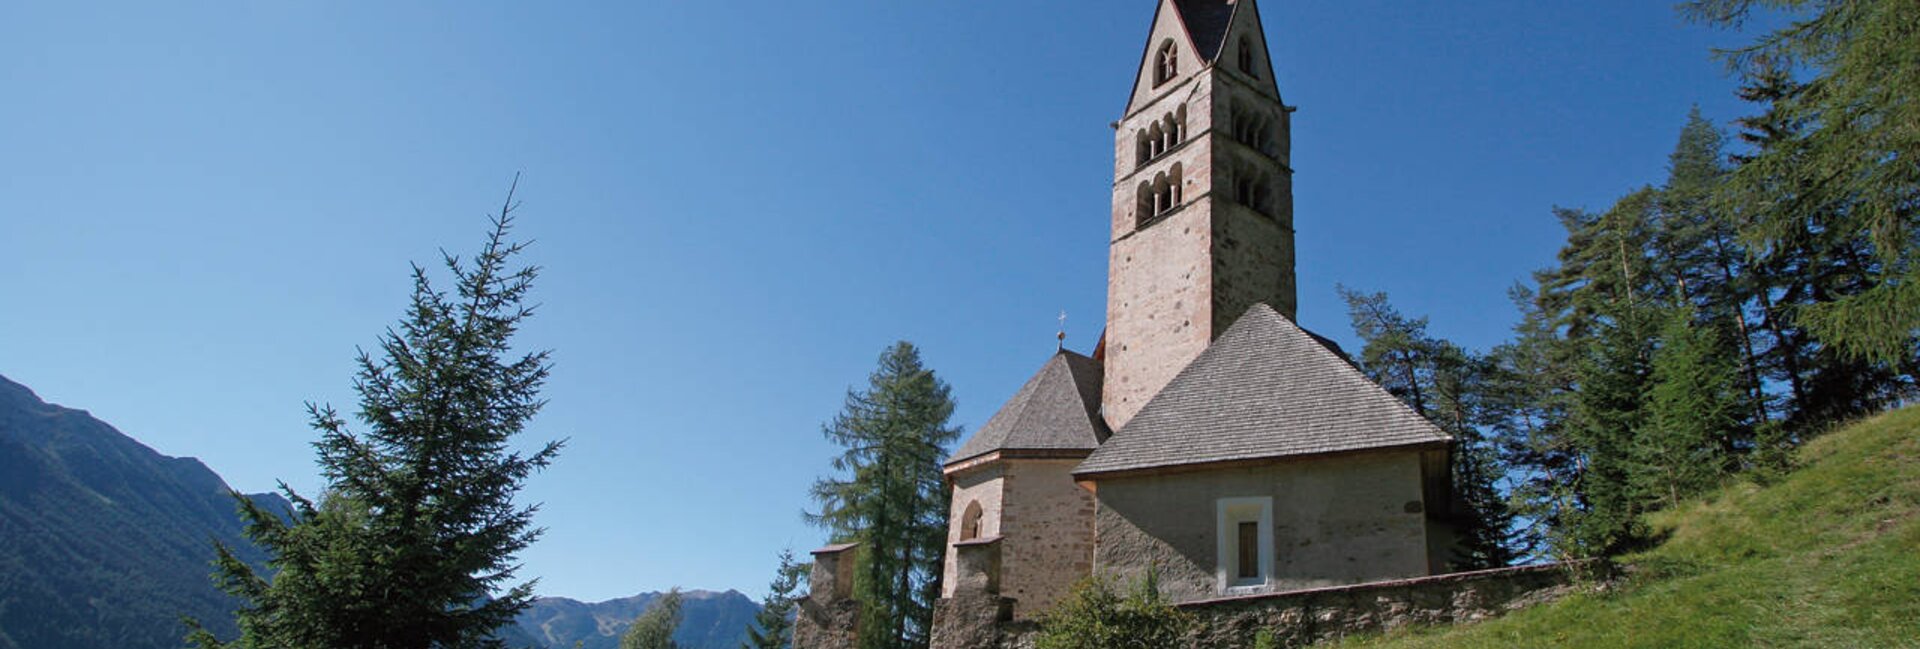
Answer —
(411, 545)
(1694, 408)
(889, 496)
(772, 626)
(1609, 414)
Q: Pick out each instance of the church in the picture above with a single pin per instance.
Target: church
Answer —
(1208, 437)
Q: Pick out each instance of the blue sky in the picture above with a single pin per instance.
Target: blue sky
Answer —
(209, 205)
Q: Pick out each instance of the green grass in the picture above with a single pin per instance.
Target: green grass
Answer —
(1827, 556)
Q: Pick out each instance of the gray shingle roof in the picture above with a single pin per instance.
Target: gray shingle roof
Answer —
(1265, 389)
(1058, 409)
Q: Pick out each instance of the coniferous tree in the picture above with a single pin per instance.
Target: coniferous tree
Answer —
(655, 627)
(1448, 386)
(1700, 242)
(1610, 412)
(1695, 407)
(1530, 397)
(411, 545)
(890, 497)
(1845, 156)
(773, 626)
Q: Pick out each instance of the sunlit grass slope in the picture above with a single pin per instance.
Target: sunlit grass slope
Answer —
(1827, 556)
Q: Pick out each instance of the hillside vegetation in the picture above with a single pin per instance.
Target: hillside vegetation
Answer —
(1826, 556)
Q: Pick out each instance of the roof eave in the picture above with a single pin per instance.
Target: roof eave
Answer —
(1232, 463)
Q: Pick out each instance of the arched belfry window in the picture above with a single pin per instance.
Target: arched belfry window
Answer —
(970, 521)
(1165, 64)
(1246, 57)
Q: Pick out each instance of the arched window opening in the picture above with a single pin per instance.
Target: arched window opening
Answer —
(1143, 204)
(1162, 195)
(1173, 188)
(1246, 57)
(1165, 64)
(1156, 140)
(1143, 151)
(970, 522)
(1180, 124)
(1250, 190)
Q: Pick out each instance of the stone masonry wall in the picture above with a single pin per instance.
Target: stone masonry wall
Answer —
(983, 485)
(1047, 532)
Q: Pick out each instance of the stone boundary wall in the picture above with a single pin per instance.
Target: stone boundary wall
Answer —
(1303, 617)
(978, 617)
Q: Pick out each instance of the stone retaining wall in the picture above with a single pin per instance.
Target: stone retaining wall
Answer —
(1301, 618)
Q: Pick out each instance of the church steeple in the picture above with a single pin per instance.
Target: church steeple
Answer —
(1202, 223)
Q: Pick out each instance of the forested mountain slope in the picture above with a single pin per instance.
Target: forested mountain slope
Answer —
(103, 541)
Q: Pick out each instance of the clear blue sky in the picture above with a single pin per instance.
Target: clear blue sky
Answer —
(209, 205)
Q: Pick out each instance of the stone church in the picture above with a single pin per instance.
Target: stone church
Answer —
(1208, 434)
(1208, 437)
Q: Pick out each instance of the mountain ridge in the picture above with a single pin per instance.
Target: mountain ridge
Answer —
(106, 542)
(100, 535)
(711, 620)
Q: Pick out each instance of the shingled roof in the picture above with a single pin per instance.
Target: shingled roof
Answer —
(1207, 22)
(1265, 389)
(1057, 410)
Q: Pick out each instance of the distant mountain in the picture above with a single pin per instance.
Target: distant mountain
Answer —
(104, 542)
(711, 620)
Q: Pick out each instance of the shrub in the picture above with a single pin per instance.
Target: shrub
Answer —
(1096, 616)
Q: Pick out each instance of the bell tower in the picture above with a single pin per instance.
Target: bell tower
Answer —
(1202, 197)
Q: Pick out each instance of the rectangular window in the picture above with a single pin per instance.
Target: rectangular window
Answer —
(1249, 550)
(1244, 539)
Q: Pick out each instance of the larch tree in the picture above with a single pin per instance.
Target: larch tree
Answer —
(889, 496)
(1846, 155)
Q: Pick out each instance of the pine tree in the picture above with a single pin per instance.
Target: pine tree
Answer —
(773, 626)
(1529, 398)
(412, 543)
(1447, 385)
(655, 627)
(891, 498)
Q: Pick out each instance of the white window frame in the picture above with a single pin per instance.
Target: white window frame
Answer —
(1229, 513)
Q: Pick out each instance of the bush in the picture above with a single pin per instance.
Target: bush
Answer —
(1096, 616)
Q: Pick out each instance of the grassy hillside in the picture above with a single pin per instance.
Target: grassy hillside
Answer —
(1828, 556)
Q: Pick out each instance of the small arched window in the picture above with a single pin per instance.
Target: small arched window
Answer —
(1246, 57)
(1143, 208)
(970, 522)
(1166, 65)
